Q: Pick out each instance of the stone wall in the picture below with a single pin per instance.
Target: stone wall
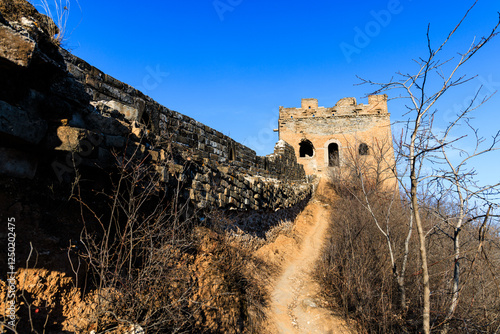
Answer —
(58, 112)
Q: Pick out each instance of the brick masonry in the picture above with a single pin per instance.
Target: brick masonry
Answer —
(55, 106)
(347, 125)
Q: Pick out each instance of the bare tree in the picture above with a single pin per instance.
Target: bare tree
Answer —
(373, 172)
(424, 147)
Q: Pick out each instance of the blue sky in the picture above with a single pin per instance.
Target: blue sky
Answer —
(231, 63)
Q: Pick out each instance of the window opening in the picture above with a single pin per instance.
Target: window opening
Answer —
(306, 149)
(232, 154)
(363, 149)
(333, 155)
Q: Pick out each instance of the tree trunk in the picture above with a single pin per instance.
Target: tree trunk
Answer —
(423, 256)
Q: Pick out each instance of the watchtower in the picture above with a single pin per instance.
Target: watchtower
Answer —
(326, 138)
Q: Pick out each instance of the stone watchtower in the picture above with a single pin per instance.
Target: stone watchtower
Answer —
(328, 138)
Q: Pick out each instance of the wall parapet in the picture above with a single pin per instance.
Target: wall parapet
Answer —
(377, 104)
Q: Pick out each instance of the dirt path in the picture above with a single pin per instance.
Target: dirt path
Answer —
(295, 307)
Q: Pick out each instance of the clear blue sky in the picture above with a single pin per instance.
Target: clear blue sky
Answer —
(231, 63)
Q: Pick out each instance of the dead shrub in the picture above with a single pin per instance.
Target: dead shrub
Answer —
(160, 264)
(357, 277)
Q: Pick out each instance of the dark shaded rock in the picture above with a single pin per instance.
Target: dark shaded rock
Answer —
(105, 124)
(3, 20)
(27, 126)
(17, 164)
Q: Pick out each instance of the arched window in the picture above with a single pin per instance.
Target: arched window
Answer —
(363, 149)
(333, 155)
(306, 149)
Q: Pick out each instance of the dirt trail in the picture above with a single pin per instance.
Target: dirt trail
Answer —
(295, 307)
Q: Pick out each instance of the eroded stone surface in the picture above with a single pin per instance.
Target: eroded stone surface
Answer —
(21, 124)
(14, 47)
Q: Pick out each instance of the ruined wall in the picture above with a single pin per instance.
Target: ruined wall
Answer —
(347, 125)
(58, 112)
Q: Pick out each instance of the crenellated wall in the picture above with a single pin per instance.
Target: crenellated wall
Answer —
(58, 112)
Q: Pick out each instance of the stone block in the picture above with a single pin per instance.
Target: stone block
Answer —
(69, 88)
(15, 48)
(105, 124)
(207, 187)
(27, 126)
(114, 107)
(140, 105)
(163, 172)
(176, 169)
(76, 72)
(74, 140)
(233, 201)
(197, 185)
(155, 155)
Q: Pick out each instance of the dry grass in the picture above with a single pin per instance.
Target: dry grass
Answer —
(56, 17)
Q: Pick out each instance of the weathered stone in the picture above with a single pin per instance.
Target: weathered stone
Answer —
(16, 48)
(76, 139)
(176, 169)
(114, 107)
(70, 89)
(27, 126)
(163, 172)
(104, 124)
(155, 155)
